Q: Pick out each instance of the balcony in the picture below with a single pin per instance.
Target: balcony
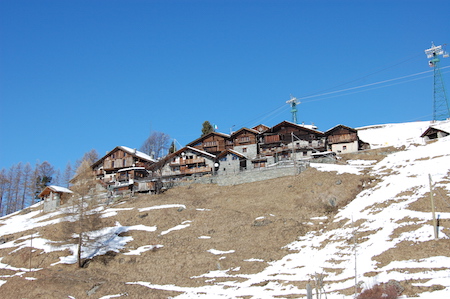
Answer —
(196, 170)
(192, 161)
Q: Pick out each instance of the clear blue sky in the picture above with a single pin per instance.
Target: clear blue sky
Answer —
(78, 75)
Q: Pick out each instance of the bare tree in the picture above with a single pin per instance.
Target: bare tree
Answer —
(91, 157)
(3, 188)
(84, 202)
(26, 184)
(57, 178)
(10, 189)
(67, 176)
(156, 145)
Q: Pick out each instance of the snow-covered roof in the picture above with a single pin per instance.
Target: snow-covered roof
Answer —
(443, 126)
(136, 153)
(131, 168)
(54, 188)
(232, 152)
(200, 151)
(128, 150)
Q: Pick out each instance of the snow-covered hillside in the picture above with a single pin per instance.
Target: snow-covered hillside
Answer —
(379, 219)
(364, 238)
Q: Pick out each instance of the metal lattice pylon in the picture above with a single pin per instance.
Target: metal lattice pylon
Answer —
(441, 108)
(294, 102)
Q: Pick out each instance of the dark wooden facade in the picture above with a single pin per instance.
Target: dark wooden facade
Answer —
(110, 168)
(261, 128)
(122, 157)
(244, 137)
(213, 143)
(185, 162)
(341, 134)
(279, 137)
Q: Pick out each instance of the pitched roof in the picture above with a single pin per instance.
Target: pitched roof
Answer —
(244, 129)
(128, 150)
(226, 136)
(225, 152)
(164, 160)
(300, 127)
(264, 127)
(329, 131)
(443, 126)
(54, 188)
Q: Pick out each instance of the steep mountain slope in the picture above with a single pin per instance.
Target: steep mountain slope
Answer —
(369, 216)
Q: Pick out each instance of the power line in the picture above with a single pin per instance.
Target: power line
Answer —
(371, 84)
(278, 110)
(369, 74)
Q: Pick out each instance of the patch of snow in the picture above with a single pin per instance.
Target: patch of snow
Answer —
(162, 207)
(253, 260)
(142, 249)
(178, 227)
(340, 169)
(113, 211)
(217, 252)
(361, 162)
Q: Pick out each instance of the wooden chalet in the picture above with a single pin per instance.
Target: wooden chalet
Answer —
(283, 139)
(343, 139)
(245, 141)
(213, 143)
(187, 161)
(54, 196)
(122, 162)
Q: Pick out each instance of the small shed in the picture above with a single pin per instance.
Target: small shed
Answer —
(54, 196)
(437, 130)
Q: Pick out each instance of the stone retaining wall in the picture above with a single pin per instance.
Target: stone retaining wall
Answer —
(249, 176)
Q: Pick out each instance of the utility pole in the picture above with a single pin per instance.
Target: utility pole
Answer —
(432, 209)
(293, 151)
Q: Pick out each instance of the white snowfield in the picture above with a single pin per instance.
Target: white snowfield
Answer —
(372, 220)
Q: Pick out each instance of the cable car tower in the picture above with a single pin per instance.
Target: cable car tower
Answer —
(441, 109)
(294, 102)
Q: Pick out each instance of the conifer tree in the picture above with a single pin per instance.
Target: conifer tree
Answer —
(207, 128)
(172, 148)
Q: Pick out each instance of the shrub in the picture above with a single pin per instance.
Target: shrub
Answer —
(379, 292)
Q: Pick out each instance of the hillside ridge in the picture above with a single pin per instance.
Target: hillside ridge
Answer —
(257, 240)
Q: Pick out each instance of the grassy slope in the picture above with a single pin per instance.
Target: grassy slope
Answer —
(231, 219)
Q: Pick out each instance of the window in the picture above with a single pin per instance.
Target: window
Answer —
(344, 148)
(244, 149)
(244, 139)
(210, 143)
